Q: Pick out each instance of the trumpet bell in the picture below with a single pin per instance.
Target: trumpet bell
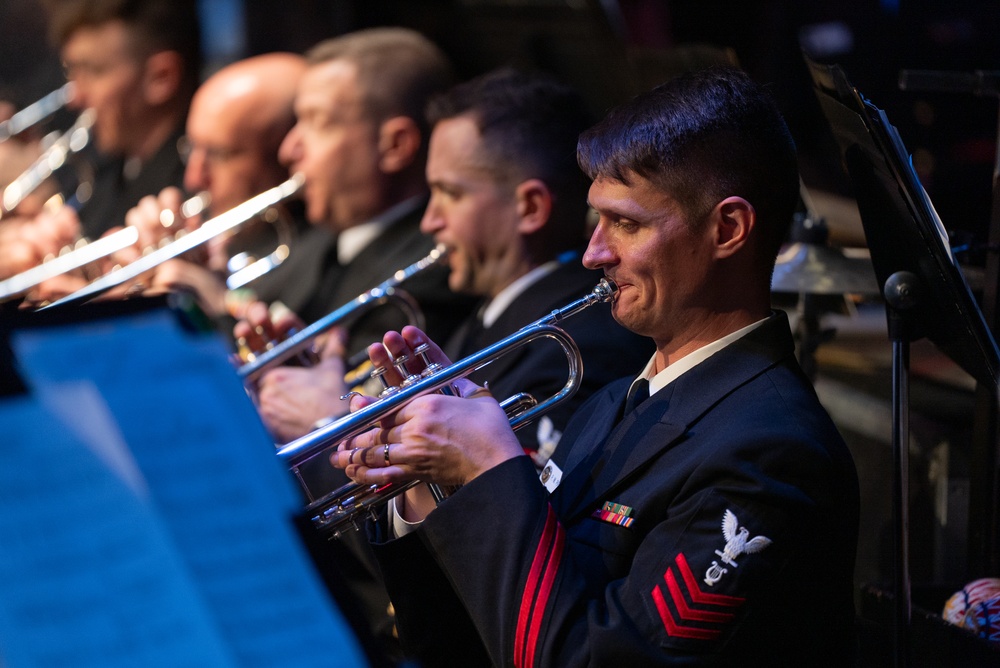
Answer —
(259, 247)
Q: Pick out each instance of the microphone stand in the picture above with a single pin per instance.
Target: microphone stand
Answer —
(901, 295)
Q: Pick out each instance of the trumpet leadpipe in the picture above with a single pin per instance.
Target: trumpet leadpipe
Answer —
(209, 230)
(36, 112)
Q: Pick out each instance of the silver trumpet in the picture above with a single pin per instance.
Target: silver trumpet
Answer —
(211, 229)
(383, 293)
(52, 158)
(86, 252)
(36, 112)
(343, 507)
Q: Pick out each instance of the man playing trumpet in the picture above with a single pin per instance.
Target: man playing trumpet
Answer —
(713, 521)
(239, 117)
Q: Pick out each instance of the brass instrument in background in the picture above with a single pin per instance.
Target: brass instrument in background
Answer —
(211, 229)
(52, 158)
(343, 507)
(86, 252)
(36, 112)
(384, 293)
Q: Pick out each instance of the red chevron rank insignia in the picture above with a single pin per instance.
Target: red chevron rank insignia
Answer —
(686, 610)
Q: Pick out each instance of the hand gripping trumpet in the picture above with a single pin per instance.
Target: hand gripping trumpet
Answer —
(343, 507)
(210, 229)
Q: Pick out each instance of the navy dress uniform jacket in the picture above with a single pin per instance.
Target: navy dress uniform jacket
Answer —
(715, 524)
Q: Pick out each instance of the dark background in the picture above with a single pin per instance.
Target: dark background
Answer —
(613, 48)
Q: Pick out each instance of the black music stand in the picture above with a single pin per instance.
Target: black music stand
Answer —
(926, 293)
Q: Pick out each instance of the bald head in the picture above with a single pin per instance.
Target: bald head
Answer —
(237, 120)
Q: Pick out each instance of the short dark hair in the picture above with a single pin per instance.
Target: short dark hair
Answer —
(398, 69)
(529, 123)
(155, 25)
(702, 137)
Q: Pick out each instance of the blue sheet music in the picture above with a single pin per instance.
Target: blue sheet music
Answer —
(190, 452)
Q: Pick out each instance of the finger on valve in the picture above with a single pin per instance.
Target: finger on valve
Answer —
(263, 327)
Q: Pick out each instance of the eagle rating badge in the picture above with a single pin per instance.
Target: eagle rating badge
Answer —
(736, 544)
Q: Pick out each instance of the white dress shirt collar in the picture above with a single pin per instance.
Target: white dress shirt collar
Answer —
(355, 239)
(691, 360)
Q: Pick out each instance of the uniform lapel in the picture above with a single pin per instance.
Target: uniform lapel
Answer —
(612, 453)
(606, 449)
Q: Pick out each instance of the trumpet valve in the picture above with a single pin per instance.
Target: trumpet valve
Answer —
(430, 368)
(400, 364)
(387, 389)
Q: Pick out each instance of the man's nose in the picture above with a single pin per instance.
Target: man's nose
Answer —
(196, 177)
(290, 150)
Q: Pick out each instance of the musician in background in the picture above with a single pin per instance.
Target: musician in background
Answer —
(237, 121)
(360, 140)
(136, 63)
(509, 202)
(703, 513)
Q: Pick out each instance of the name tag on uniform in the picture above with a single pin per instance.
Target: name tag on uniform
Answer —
(550, 476)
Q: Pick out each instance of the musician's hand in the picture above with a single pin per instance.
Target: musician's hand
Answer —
(292, 399)
(26, 241)
(17, 253)
(57, 287)
(263, 326)
(205, 284)
(51, 230)
(434, 438)
(159, 217)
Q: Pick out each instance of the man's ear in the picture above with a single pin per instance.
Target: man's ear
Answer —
(735, 219)
(534, 205)
(398, 143)
(162, 77)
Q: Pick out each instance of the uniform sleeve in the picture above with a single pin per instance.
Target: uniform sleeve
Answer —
(698, 579)
(434, 627)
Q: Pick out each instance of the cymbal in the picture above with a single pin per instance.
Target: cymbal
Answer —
(839, 213)
(822, 270)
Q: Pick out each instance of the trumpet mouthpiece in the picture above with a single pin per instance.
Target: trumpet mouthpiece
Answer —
(606, 289)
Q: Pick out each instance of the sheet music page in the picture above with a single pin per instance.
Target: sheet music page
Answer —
(212, 475)
(88, 576)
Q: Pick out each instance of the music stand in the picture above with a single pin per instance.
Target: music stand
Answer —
(144, 518)
(926, 293)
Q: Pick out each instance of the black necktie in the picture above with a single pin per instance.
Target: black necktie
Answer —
(637, 393)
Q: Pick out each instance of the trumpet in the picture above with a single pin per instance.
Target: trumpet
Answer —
(72, 141)
(213, 228)
(86, 252)
(381, 294)
(36, 112)
(343, 507)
